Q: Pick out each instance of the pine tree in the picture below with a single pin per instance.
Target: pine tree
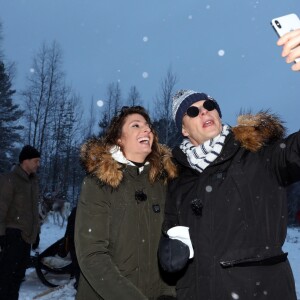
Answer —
(10, 115)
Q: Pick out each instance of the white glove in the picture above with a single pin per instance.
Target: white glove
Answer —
(182, 234)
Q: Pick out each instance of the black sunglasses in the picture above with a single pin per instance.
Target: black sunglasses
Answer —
(194, 111)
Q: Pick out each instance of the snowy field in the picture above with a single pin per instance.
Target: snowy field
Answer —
(32, 287)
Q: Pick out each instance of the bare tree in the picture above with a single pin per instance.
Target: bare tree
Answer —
(44, 86)
(1, 41)
(111, 105)
(91, 120)
(53, 116)
(64, 138)
(163, 107)
(134, 97)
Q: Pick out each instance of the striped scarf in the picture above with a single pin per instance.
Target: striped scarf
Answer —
(199, 157)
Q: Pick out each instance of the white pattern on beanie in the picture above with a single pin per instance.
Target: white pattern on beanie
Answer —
(183, 99)
(178, 98)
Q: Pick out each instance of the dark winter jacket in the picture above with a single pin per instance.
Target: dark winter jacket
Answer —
(19, 203)
(118, 226)
(237, 214)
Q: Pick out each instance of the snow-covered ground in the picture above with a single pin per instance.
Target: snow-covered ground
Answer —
(32, 286)
(292, 246)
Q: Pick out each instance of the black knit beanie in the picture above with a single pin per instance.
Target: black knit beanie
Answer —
(183, 99)
(28, 152)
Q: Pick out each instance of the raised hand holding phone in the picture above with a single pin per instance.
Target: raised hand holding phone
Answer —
(285, 24)
(288, 28)
(291, 48)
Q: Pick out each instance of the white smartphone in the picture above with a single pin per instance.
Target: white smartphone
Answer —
(285, 24)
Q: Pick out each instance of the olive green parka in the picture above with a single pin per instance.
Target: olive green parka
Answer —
(118, 226)
(19, 203)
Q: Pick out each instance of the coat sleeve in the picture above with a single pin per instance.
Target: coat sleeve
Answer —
(284, 157)
(92, 246)
(173, 254)
(6, 197)
(171, 217)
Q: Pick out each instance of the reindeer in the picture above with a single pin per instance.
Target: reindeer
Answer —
(54, 203)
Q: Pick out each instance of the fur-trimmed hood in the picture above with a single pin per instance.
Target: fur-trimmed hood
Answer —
(100, 161)
(254, 131)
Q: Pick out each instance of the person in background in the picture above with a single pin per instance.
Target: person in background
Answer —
(19, 221)
(120, 211)
(230, 197)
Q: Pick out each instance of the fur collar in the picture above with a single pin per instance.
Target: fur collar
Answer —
(252, 131)
(255, 131)
(107, 164)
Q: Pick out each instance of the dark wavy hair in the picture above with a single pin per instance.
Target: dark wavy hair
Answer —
(156, 158)
(114, 130)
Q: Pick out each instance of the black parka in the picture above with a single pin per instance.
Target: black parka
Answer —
(237, 214)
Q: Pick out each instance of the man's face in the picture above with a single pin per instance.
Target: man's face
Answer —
(203, 127)
(31, 165)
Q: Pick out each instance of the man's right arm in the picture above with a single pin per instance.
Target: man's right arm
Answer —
(291, 48)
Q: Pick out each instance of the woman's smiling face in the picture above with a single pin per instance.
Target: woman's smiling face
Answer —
(136, 138)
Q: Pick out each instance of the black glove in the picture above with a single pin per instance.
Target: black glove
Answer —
(2, 242)
(173, 255)
(36, 243)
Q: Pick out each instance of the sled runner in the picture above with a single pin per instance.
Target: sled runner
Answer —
(54, 265)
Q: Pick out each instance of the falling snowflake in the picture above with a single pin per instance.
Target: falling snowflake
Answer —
(190, 17)
(221, 52)
(145, 75)
(282, 145)
(207, 6)
(208, 188)
(31, 70)
(235, 295)
(145, 39)
(256, 4)
(100, 103)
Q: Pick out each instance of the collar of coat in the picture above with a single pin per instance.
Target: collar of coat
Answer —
(254, 131)
(17, 169)
(107, 164)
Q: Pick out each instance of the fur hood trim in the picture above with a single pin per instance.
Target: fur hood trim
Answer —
(258, 130)
(97, 160)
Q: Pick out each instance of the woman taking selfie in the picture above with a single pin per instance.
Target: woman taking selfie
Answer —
(120, 211)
